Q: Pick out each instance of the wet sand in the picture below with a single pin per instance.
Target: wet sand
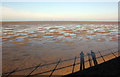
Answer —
(26, 44)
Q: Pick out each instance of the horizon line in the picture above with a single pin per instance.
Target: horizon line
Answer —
(59, 21)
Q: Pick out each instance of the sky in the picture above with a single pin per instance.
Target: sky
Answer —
(59, 11)
(59, 0)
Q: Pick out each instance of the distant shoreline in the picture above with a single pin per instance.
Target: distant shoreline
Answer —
(60, 21)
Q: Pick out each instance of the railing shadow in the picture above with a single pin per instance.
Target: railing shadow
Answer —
(91, 57)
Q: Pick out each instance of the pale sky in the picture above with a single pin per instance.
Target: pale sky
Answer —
(59, 11)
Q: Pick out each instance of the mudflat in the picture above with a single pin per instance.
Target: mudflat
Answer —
(28, 43)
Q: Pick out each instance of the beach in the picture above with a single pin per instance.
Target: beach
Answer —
(26, 44)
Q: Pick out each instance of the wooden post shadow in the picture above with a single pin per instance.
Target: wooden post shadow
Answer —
(94, 58)
(55, 68)
(74, 65)
(101, 56)
(82, 64)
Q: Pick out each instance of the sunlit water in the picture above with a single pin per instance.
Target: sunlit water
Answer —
(26, 45)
